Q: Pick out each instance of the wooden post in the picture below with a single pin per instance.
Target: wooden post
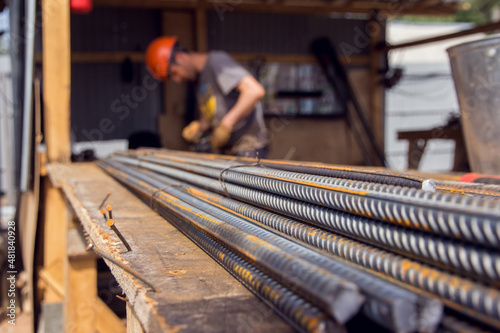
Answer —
(80, 285)
(201, 30)
(56, 95)
(376, 113)
(54, 251)
(56, 76)
(173, 119)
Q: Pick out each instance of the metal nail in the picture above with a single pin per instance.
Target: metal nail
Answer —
(103, 212)
(91, 247)
(104, 200)
(109, 208)
(112, 225)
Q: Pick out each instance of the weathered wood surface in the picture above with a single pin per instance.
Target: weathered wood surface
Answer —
(196, 294)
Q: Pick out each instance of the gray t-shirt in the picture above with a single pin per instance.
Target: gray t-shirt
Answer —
(216, 93)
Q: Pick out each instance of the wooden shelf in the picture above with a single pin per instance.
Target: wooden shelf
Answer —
(117, 57)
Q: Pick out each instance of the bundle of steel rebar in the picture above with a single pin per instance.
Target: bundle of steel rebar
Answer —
(319, 243)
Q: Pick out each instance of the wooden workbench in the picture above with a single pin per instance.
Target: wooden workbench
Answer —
(196, 294)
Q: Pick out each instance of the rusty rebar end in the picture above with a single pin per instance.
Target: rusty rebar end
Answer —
(109, 208)
(110, 223)
(103, 211)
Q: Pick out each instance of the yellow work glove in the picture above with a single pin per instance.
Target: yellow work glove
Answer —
(192, 132)
(220, 136)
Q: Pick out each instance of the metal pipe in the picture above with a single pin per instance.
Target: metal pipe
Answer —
(28, 88)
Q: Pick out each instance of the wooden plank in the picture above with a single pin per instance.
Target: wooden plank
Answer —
(101, 57)
(195, 292)
(56, 76)
(80, 295)
(298, 58)
(53, 279)
(133, 324)
(415, 153)
(118, 57)
(80, 284)
(478, 29)
(54, 231)
(28, 214)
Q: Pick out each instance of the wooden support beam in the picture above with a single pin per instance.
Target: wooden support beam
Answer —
(291, 7)
(56, 76)
(172, 121)
(478, 29)
(201, 30)
(54, 231)
(52, 278)
(376, 104)
(80, 285)
(100, 57)
(297, 58)
(118, 57)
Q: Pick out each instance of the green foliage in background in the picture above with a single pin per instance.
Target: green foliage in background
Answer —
(479, 11)
(475, 11)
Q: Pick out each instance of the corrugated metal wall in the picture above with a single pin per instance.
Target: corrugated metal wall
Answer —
(105, 104)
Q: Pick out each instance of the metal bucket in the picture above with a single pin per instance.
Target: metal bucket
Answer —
(476, 71)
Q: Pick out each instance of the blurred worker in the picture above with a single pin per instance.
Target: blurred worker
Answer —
(228, 96)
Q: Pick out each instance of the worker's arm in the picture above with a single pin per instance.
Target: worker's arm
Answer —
(251, 92)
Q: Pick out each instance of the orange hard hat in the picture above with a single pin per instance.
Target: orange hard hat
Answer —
(158, 56)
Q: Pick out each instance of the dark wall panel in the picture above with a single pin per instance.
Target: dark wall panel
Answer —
(104, 107)
(114, 29)
(282, 34)
(113, 100)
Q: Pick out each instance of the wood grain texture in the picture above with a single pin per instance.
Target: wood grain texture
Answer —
(54, 237)
(57, 79)
(196, 293)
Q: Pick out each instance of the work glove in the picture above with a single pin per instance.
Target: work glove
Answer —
(192, 132)
(220, 136)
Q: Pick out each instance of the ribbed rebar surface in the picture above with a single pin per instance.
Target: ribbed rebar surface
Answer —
(318, 243)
